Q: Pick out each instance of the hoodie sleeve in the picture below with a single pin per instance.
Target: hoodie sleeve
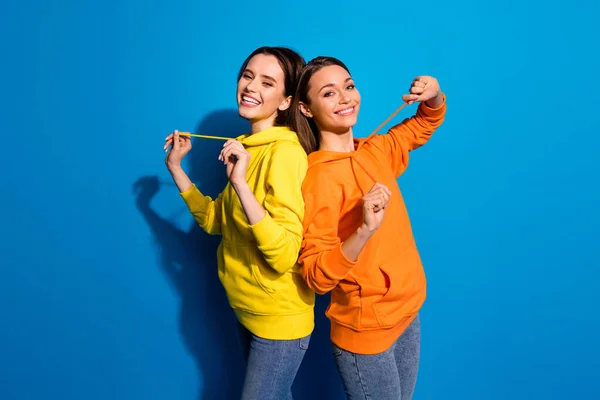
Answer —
(279, 233)
(322, 261)
(206, 212)
(410, 134)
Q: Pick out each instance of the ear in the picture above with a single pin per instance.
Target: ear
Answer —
(285, 104)
(304, 110)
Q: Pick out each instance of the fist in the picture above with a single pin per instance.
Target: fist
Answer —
(374, 204)
(422, 88)
(236, 159)
(176, 147)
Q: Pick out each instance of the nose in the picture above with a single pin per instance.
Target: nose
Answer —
(344, 97)
(251, 86)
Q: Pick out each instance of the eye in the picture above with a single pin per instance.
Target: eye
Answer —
(350, 87)
(268, 84)
(328, 94)
(247, 76)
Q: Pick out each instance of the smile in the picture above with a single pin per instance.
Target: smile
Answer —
(345, 111)
(249, 101)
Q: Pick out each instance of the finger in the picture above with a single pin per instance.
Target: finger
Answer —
(237, 151)
(239, 148)
(421, 79)
(410, 98)
(385, 201)
(373, 207)
(185, 143)
(229, 143)
(168, 143)
(369, 205)
(169, 137)
(376, 186)
(223, 156)
(176, 143)
(228, 156)
(380, 185)
(417, 89)
(418, 83)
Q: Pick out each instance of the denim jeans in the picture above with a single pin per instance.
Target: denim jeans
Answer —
(271, 365)
(391, 375)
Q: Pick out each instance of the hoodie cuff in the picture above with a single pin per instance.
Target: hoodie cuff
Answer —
(432, 111)
(263, 230)
(337, 262)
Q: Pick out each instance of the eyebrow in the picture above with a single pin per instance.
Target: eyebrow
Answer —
(332, 84)
(270, 78)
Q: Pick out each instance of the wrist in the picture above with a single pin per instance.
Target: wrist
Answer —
(173, 166)
(240, 186)
(436, 101)
(364, 233)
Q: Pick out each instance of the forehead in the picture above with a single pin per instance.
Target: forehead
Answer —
(330, 74)
(265, 64)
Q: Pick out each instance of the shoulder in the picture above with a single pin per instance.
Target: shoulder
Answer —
(321, 179)
(288, 147)
(287, 153)
(374, 145)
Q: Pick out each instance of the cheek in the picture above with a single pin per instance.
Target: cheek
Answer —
(324, 108)
(240, 86)
(271, 97)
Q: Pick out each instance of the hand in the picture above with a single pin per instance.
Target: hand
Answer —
(374, 204)
(236, 159)
(180, 146)
(423, 88)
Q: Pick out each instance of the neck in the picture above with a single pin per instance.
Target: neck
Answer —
(262, 124)
(339, 142)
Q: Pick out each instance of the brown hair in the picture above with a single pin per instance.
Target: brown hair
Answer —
(305, 127)
(291, 63)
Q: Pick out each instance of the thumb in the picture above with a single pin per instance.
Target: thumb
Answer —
(176, 140)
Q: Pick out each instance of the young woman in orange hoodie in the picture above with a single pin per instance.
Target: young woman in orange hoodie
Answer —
(358, 242)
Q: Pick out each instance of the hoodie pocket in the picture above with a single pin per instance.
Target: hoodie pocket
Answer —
(405, 288)
(243, 282)
(257, 274)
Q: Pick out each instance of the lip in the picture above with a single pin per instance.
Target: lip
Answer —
(247, 103)
(346, 111)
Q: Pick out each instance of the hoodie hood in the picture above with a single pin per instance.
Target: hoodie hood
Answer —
(323, 156)
(268, 136)
(350, 162)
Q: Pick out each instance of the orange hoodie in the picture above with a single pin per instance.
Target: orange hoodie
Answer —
(374, 299)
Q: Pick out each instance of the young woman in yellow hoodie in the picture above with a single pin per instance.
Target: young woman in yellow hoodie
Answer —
(259, 215)
(368, 261)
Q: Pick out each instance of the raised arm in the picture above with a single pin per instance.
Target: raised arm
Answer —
(277, 222)
(206, 212)
(415, 131)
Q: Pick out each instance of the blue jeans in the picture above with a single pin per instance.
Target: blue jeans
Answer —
(271, 365)
(391, 375)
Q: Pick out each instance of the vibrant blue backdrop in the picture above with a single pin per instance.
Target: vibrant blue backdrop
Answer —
(108, 291)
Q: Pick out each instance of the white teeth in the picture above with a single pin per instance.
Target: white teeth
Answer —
(346, 111)
(249, 100)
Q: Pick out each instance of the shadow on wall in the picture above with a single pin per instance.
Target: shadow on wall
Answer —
(188, 259)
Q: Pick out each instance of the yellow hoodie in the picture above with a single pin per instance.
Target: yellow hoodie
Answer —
(258, 263)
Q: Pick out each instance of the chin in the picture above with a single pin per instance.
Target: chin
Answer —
(245, 113)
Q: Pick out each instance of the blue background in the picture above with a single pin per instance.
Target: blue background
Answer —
(108, 291)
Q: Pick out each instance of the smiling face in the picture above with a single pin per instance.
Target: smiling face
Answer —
(333, 100)
(261, 91)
